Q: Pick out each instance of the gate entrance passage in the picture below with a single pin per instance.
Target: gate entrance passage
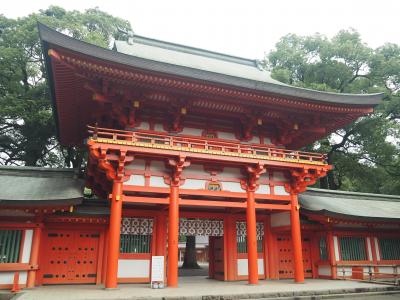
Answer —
(285, 250)
(208, 235)
(69, 256)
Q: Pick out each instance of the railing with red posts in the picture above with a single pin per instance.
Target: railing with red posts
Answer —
(197, 144)
(370, 272)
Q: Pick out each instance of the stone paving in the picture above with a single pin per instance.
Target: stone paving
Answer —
(195, 288)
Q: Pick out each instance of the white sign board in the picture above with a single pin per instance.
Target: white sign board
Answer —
(157, 272)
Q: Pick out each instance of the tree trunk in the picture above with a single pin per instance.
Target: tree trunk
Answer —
(190, 259)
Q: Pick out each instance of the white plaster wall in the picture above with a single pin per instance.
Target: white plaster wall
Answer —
(369, 248)
(157, 181)
(26, 250)
(280, 219)
(388, 270)
(137, 164)
(242, 266)
(8, 277)
(254, 140)
(192, 131)
(159, 127)
(231, 173)
(324, 270)
(376, 245)
(336, 246)
(157, 166)
(280, 190)
(135, 180)
(195, 169)
(231, 186)
(144, 126)
(263, 189)
(133, 268)
(226, 135)
(279, 176)
(347, 271)
(267, 140)
(194, 184)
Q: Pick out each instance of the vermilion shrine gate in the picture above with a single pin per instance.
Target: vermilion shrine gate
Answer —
(183, 141)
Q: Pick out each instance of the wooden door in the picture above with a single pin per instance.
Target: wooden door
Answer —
(216, 258)
(286, 263)
(69, 256)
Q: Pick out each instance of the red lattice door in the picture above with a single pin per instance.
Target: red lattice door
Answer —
(69, 256)
(286, 263)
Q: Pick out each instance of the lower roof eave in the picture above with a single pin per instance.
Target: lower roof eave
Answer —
(345, 217)
(40, 203)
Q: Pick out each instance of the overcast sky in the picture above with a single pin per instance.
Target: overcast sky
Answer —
(243, 28)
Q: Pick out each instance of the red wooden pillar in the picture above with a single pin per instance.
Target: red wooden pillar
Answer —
(114, 236)
(211, 257)
(331, 252)
(270, 250)
(230, 247)
(252, 256)
(161, 238)
(160, 235)
(296, 239)
(173, 236)
(33, 261)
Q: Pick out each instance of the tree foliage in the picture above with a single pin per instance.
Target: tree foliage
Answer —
(27, 129)
(365, 154)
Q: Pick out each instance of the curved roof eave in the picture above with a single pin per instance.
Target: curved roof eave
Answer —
(53, 37)
(351, 204)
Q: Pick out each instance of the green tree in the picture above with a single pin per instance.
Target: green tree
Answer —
(27, 129)
(365, 154)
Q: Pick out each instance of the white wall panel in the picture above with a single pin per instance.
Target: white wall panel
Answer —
(279, 176)
(159, 127)
(8, 277)
(135, 180)
(280, 219)
(191, 131)
(263, 189)
(376, 245)
(157, 181)
(231, 186)
(231, 173)
(242, 266)
(324, 270)
(144, 126)
(336, 246)
(369, 248)
(26, 250)
(347, 271)
(195, 169)
(226, 135)
(137, 164)
(280, 190)
(157, 166)
(194, 184)
(133, 268)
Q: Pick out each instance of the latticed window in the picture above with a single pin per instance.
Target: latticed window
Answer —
(323, 250)
(132, 243)
(390, 248)
(136, 234)
(10, 243)
(214, 186)
(242, 244)
(352, 248)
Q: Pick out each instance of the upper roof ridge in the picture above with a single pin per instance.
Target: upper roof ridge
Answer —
(189, 49)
